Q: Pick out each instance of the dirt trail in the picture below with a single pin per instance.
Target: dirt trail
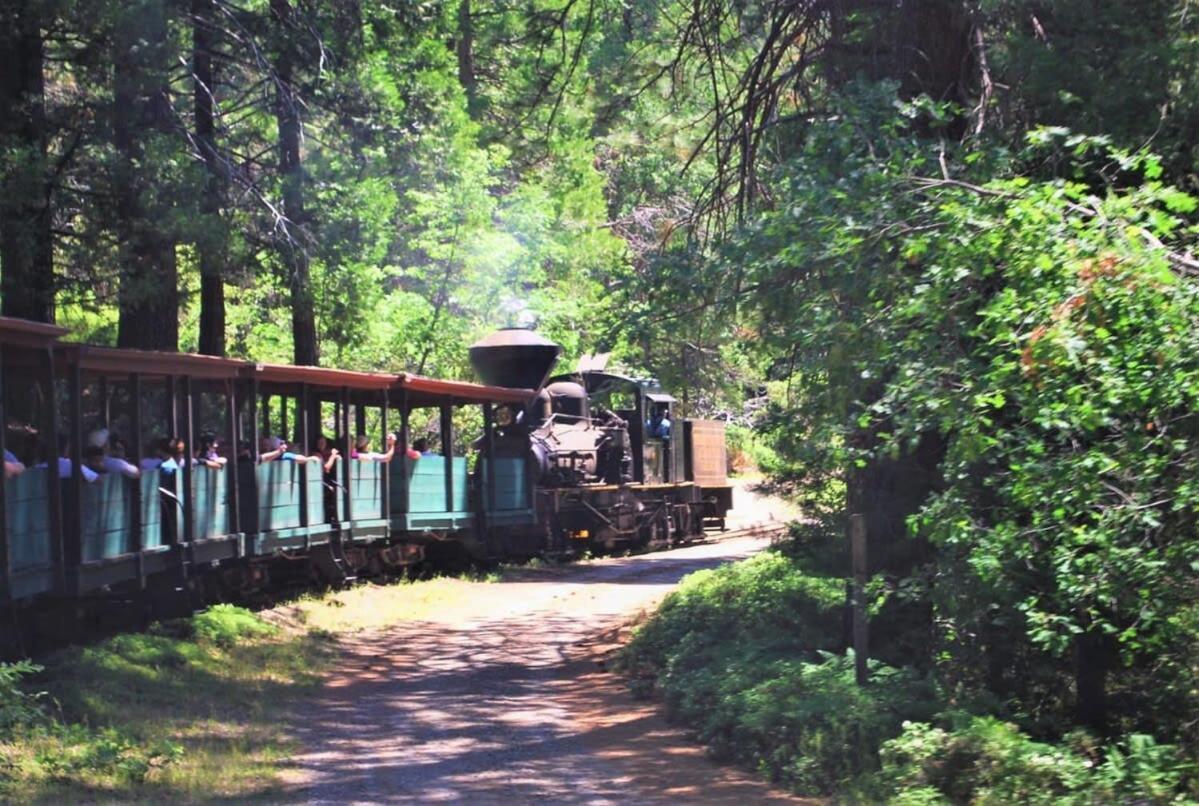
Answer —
(503, 697)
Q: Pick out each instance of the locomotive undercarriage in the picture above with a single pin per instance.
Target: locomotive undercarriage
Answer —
(619, 517)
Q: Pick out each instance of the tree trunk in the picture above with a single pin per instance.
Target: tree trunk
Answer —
(26, 242)
(295, 256)
(149, 291)
(1091, 656)
(466, 58)
(210, 246)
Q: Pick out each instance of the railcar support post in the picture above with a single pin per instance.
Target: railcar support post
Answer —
(189, 429)
(54, 486)
(283, 400)
(74, 542)
(135, 444)
(385, 476)
(232, 436)
(402, 448)
(304, 421)
(302, 469)
(347, 469)
(861, 649)
(254, 433)
(5, 549)
(489, 435)
(447, 450)
(172, 412)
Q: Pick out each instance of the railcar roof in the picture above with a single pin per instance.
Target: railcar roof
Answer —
(326, 377)
(24, 333)
(424, 391)
(121, 361)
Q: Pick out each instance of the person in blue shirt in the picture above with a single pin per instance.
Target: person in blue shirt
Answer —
(659, 424)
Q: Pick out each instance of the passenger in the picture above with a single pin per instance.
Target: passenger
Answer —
(363, 452)
(12, 465)
(207, 455)
(271, 449)
(326, 453)
(113, 460)
(422, 448)
(65, 466)
(164, 456)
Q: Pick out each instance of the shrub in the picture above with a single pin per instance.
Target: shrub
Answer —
(985, 760)
(745, 655)
(18, 707)
(765, 606)
(223, 624)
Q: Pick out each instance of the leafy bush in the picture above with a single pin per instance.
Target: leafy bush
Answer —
(224, 624)
(986, 760)
(763, 605)
(743, 655)
(18, 707)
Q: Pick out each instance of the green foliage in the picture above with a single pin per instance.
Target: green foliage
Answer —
(984, 760)
(224, 624)
(18, 706)
(745, 655)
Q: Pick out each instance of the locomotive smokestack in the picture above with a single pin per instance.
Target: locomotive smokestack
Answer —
(514, 357)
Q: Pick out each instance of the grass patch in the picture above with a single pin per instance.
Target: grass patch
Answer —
(195, 709)
(189, 711)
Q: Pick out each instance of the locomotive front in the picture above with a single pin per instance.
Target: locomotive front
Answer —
(565, 443)
(579, 465)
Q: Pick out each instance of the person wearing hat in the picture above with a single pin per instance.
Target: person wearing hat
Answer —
(102, 458)
(363, 452)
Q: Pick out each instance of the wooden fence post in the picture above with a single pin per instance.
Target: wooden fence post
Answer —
(857, 541)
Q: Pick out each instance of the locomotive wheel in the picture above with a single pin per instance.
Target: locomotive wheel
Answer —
(659, 529)
(683, 523)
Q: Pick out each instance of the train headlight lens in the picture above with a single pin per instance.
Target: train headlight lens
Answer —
(504, 416)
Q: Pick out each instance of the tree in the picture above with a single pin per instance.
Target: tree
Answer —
(142, 122)
(26, 241)
(288, 107)
(212, 253)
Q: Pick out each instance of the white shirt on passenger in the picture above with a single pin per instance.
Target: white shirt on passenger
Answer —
(64, 470)
(115, 464)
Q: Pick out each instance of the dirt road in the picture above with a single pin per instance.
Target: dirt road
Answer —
(503, 697)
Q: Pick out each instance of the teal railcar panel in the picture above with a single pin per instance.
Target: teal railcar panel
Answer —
(278, 495)
(418, 496)
(511, 484)
(366, 489)
(426, 484)
(26, 502)
(158, 509)
(512, 503)
(104, 514)
(461, 484)
(210, 502)
(313, 474)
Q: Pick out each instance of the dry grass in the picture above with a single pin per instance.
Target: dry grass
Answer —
(167, 715)
(197, 710)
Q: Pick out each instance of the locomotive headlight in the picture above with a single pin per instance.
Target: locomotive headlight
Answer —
(504, 416)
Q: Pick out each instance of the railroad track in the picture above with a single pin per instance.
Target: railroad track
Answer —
(772, 529)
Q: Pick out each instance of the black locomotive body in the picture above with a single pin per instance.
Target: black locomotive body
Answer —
(595, 460)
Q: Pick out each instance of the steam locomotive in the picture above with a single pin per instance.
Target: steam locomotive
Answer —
(593, 461)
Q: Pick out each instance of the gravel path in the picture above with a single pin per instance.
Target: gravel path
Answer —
(504, 698)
